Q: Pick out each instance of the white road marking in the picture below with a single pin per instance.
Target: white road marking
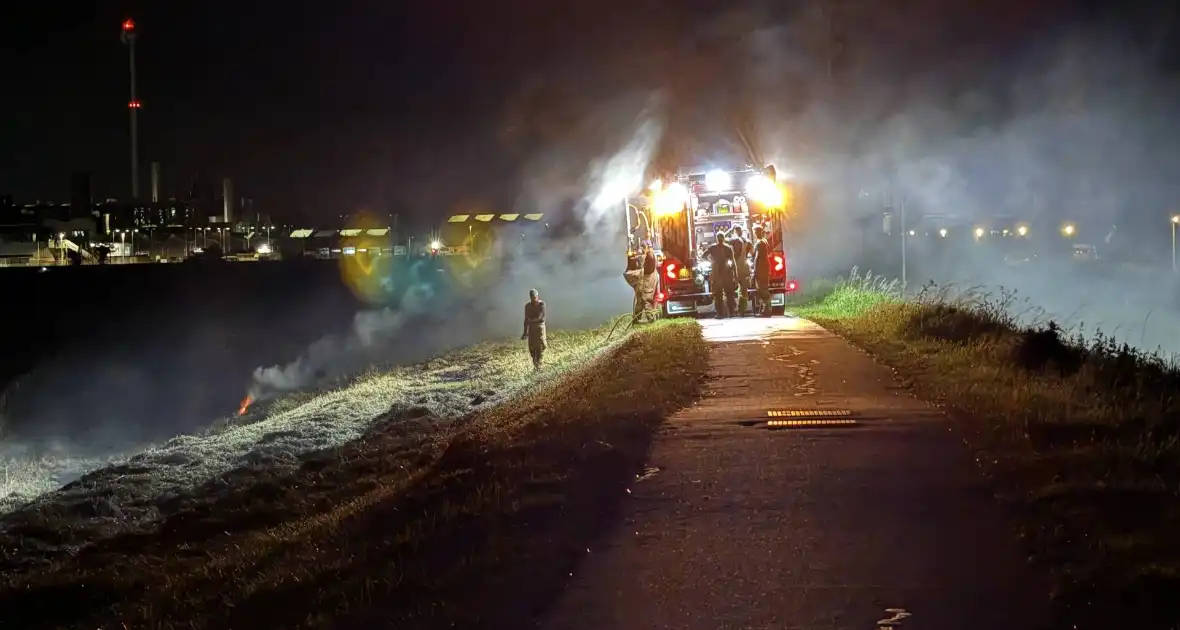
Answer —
(895, 620)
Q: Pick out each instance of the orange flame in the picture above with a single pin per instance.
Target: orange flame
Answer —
(245, 405)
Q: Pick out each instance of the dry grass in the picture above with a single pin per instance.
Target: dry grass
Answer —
(474, 523)
(1081, 433)
(133, 491)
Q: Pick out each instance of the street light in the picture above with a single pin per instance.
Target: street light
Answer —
(1175, 222)
(1068, 230)
(942, 232)
(978, 233)
(1022, 230)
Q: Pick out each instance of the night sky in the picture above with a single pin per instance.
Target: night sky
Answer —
(318, 109)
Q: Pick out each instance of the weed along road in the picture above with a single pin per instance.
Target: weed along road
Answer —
(805, 490)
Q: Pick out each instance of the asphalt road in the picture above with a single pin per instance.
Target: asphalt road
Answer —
(885, 523)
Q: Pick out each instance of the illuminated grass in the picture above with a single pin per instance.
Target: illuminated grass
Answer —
(134, 492)
(845, 297)
(422, 524)
(1083, 434)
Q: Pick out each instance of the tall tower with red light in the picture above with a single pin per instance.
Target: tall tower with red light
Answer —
(128, 37)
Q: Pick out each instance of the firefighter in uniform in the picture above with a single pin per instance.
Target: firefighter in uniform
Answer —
(741, 266)
(650, 281)
(633, 276)
(534, 327)
(761, 273)
(641, 276)
(721, 278)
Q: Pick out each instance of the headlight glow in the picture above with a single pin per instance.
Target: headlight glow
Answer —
(670, 200)
(762, 190)
(718, 180)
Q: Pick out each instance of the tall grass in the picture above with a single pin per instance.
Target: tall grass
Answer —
(1083, 430)
(846, 296)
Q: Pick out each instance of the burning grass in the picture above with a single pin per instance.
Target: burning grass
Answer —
(1082, 434)
(425, 523)
(134, 493)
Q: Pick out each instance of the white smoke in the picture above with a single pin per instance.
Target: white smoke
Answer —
(580, 293)
(333, 355)
(622, 174)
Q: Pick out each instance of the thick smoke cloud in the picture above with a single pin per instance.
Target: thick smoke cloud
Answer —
(1043, 120)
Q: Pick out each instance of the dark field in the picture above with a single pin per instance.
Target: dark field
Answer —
(136, 340)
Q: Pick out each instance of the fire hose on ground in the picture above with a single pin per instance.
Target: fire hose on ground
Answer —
(619, 320)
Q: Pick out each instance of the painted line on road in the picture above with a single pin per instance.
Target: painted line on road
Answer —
(897, 614)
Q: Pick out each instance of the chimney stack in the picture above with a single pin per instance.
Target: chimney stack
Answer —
(227, 195)
(80, 198)
(155, 182)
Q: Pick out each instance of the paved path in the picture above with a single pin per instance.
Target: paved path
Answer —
(746, 528)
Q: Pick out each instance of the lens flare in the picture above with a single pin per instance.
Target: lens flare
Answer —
(473, 239)
(367, 265)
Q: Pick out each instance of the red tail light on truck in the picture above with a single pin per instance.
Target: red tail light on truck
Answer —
(778, 264)
(671, 269)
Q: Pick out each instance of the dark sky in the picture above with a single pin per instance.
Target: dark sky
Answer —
(317, 109)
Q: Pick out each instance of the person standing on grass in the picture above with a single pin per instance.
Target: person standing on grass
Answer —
(645, 288)
(534, 327)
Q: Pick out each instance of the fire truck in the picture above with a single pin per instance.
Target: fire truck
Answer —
(680, 217)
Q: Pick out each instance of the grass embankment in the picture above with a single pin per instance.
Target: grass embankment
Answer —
(274, 435)
(473, 526)
(1083, 434)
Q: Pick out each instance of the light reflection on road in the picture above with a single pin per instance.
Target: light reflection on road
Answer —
(758, 328)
